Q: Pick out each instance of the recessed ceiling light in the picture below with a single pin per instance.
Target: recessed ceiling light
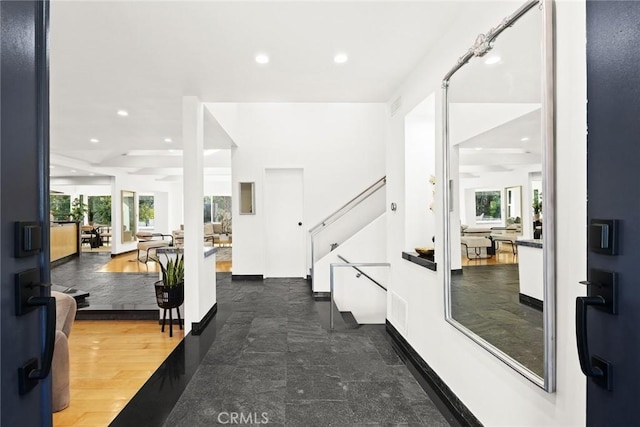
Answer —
(94, 140)
(172, 151)
(92, 174)
(493, 59)
(340, 58)
(123, 113)
(478, 148)
(525, 139)
(73, 171)
(168, 140)
(262, 58)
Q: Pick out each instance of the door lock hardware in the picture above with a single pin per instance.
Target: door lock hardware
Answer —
(601, 295)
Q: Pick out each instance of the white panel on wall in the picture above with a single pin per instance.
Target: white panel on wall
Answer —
(399, 312)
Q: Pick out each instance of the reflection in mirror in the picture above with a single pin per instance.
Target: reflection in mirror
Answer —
(513, 196)
(247, 198)
(128, 216)
(494, 136)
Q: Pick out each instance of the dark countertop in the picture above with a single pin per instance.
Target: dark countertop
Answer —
(532, 243)
(421, 261)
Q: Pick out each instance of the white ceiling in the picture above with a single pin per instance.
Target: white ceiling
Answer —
(143, 56)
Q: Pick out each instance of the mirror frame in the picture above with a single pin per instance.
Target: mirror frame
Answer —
(244, 196)
(506, 201)
(482, 45)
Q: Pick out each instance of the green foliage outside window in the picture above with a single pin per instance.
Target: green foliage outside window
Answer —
(100, 209)
(218, 209)
(78, 209)
(537, 202)
(60, 206)
(488, 205)
(145, 209)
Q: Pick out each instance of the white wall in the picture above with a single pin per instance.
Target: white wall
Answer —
(496, 394)
(367, 245)
(339, 146)
(217, 185)
(139, 184)
(420, 164)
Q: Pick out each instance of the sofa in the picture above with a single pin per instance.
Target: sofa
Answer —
(508, 235)
(65, 315)
(477, 240)
(212, 232)
(148, 242)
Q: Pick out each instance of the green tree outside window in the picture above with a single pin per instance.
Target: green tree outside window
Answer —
(60, 205)
(100, 209)
(145, 209)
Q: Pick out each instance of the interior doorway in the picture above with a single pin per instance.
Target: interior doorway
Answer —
(284, 231)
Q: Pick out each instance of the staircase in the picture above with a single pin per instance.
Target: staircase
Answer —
(345, 222)
(355, 233)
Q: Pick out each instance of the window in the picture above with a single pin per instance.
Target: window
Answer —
(488, 206)
(145, 212)
(218, 209)
(99, 210)
(60, 206)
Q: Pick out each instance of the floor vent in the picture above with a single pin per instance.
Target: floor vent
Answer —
(398, 312)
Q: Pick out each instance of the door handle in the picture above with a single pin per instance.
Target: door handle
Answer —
(29, 374)
(594, 367)
(581, 334)
(49, 304)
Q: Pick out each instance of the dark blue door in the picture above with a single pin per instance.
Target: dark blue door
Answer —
(24, 170)
(613, 186)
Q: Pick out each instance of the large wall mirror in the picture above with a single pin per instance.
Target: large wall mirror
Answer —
(499, 245)
(129, 216)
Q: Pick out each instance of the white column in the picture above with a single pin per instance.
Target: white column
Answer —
(176, 203)
(199, 293)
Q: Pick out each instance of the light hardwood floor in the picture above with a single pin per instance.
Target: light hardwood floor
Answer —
(503, 256)
(127, 263)
(110, 361)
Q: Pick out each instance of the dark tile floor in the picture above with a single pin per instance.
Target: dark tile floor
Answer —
(107, 290)
(273, 358)
(113, 291)
(485, 300)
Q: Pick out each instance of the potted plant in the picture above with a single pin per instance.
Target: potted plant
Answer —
(536, 205)
(170, 290)
(78, 209)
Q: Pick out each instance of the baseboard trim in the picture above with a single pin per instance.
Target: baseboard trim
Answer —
(198, 327)
(63, 260)
(247, 277)
(433, 381)
(123, 253)
(90, 314)
(531, 302)
(322, 296)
